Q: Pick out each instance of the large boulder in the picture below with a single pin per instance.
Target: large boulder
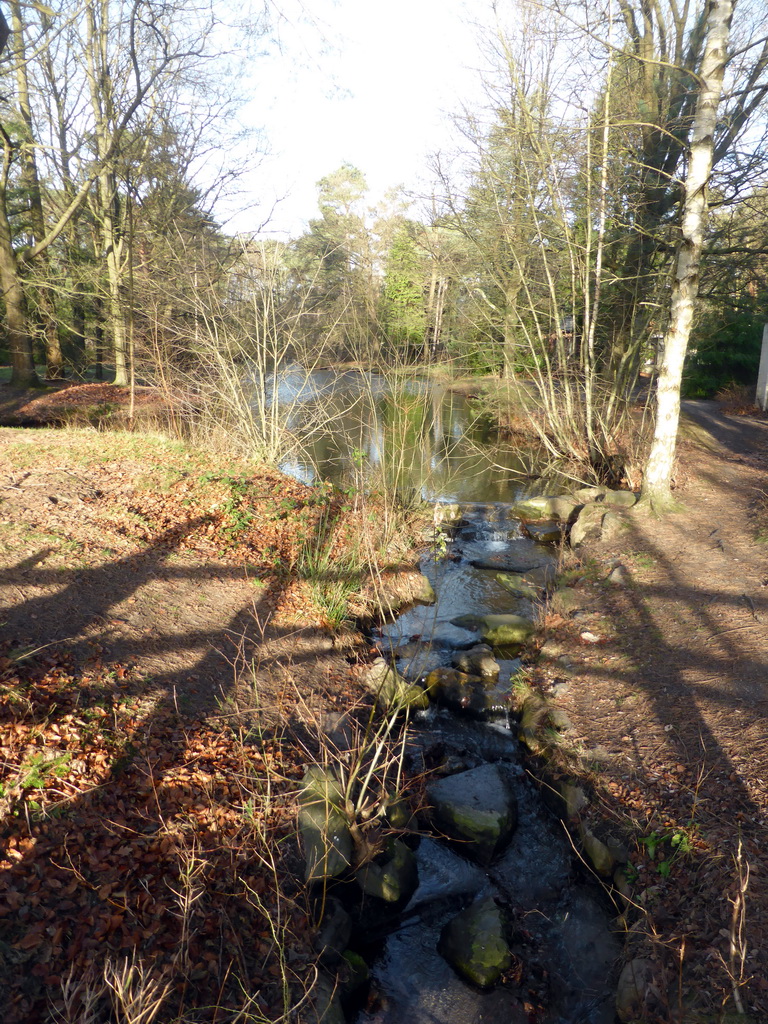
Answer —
(475, 945)
(323, 825)
(624, 499)
(391, 691)
(522, 562)
(477, 808)
(606, 496)
(547, 506)
(548, 532)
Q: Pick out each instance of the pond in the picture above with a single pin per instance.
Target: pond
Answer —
(420, 438)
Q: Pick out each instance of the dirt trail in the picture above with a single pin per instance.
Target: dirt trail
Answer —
(669, 704)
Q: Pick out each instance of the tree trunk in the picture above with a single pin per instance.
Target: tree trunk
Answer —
(23, 373)
(31, 182)
(657, 480)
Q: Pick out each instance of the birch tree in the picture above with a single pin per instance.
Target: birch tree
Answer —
(658, 472)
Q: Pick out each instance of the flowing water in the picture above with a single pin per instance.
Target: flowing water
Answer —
(429, 442)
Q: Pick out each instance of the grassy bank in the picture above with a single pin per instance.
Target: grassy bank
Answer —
(175, 626)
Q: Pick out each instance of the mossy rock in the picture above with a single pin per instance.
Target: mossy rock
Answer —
(505, 630)
(478, 808)
(391, 691)
(547, 506)
(392, 877)
(566, 601)
(517, 585)
(475, 945)
(323, 825)
(355, 972)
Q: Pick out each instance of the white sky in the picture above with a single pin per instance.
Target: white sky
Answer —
(371, 82)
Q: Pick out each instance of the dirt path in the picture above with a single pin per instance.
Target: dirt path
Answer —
(669, 707)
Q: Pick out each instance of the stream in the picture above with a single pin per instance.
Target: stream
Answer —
(561, 924)
(425, 441)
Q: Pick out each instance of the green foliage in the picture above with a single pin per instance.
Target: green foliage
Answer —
(334, 574)
(725, 348)
(402, 306)
(668, 846)
(34, 772)
(236, 507)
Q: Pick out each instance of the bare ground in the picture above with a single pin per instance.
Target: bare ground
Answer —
(666, 687)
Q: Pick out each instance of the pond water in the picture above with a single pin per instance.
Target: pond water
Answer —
(418, 437)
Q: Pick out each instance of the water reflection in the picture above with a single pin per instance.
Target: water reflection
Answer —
(410, 435)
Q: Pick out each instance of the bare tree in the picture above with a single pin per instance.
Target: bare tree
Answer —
(658, 472)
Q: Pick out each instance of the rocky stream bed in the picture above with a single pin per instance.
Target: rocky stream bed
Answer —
(478, 908)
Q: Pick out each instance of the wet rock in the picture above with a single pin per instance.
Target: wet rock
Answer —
(517, 585)
(467, 621)
(334, 933)
(391, 690)
(550, 532)
(324, 830)
(634, 993)
(460, 692)
(474, 943)
(546, 506)
(503, 630)
(478, 661)
(510, 563)
(392, 877)
(477, 807)
(566, 601)
(417, 658)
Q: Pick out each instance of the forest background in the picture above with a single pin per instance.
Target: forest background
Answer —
(546, 255)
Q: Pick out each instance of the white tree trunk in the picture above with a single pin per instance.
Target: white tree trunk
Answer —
(658, 471)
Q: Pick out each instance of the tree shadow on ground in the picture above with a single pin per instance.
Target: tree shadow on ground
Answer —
(678, 693)
(170, 808)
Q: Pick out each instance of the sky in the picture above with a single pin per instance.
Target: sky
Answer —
(369, 82)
